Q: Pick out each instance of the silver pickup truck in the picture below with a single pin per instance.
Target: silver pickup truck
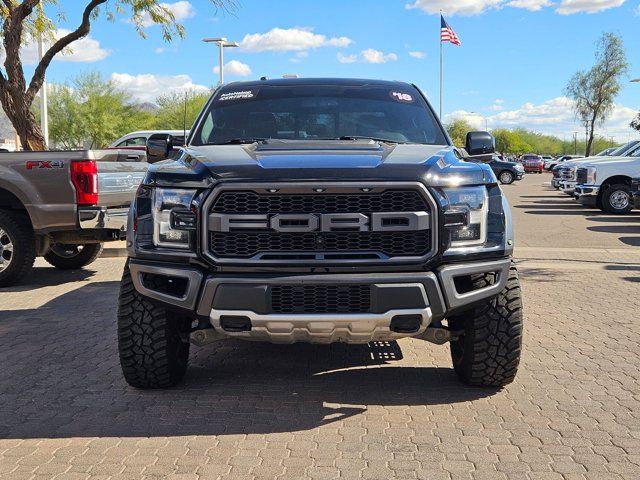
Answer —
(63, 206)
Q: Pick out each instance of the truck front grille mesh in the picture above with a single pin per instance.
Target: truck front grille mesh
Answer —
(320, 298)
(389, 201)
(241, 244)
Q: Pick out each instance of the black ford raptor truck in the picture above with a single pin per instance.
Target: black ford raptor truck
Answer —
(319, 210)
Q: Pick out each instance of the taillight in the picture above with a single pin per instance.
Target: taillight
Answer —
(84, 176)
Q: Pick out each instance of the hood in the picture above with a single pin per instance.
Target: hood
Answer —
(318, 160)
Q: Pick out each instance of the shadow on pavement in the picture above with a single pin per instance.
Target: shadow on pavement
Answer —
(61, 378)
(617, 219)
(50, 276)
(633, 241)
(626, 268)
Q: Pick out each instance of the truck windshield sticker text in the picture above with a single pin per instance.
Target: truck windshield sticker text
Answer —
(239, 95)
(402, 97)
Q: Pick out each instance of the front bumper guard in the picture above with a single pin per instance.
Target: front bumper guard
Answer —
(217, 296)
(586, 194)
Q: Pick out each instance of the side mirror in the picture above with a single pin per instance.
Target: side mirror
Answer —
(481, 145)
(159, 145)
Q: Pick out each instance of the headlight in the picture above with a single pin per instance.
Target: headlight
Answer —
(167, 232)
(473, 201)
(591, 175)
(519, 168)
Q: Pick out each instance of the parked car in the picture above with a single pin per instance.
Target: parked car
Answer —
(63, 205)
(532, 163)
(138, 140)
(546, 159)
(562, 159)
(506, 172)
(372, 229)
(607, 184)
(607, 151)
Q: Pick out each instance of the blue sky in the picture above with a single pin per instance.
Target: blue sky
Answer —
(516, 56)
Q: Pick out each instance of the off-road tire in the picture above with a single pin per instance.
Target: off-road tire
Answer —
(153, 352)
(508, 177)
(487, 354)
(89, 253)
(19, 231)
(608, 205)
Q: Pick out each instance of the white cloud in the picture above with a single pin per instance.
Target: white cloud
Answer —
(569, 7)
(476, 7)
(290, 39)
(86, 49)
(148, 87)
(181, 11)
(554, 117)
(417, 54)
(235, 68)
(462, 7)
(371, 55)
(498, 100)
(347, 58)
(531, 5)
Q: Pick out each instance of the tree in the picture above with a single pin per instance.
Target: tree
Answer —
(28, 20)
(594, 91)
(170, 116)
(458, 130)
(92, 112)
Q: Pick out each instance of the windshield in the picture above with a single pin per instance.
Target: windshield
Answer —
(311, 112)
(621, 150)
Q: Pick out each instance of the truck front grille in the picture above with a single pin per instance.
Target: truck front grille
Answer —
(320, 298)
(581, 175)
(391, 244)
(251, 202)
(265, 244)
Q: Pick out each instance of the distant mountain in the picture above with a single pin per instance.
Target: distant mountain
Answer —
(147, 107)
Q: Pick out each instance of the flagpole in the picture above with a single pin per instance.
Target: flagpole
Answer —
(440, 39)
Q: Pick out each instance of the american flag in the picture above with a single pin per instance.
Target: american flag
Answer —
(447, 34)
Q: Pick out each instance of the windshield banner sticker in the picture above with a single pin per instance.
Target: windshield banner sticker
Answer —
(401, 97)
(238, 95)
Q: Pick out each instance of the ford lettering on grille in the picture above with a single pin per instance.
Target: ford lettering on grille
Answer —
(328, 222)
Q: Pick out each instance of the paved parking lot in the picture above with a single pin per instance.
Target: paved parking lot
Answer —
(385, 410)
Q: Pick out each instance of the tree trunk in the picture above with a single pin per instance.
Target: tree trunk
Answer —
(591, 128)
(23, 120)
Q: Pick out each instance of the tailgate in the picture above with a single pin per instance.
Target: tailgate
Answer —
(120, 171)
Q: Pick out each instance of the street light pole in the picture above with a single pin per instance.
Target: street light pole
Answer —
(44, 114)
(222, 43)
(575, 143)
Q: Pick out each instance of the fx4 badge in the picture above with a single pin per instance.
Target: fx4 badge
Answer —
(47, 164)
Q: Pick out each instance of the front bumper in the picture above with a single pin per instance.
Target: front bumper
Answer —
(586, 194)
(568, 187)
(396, 300)
(103, 218)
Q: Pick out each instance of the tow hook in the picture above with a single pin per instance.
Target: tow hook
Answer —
(440, 335)
(205, 336)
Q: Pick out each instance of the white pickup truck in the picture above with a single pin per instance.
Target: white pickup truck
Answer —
(565, 176)
(606, 183)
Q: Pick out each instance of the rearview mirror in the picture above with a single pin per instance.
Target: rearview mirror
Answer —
(480, 145)
(159, 145)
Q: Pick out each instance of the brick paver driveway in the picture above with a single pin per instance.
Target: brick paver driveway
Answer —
(387, 410)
